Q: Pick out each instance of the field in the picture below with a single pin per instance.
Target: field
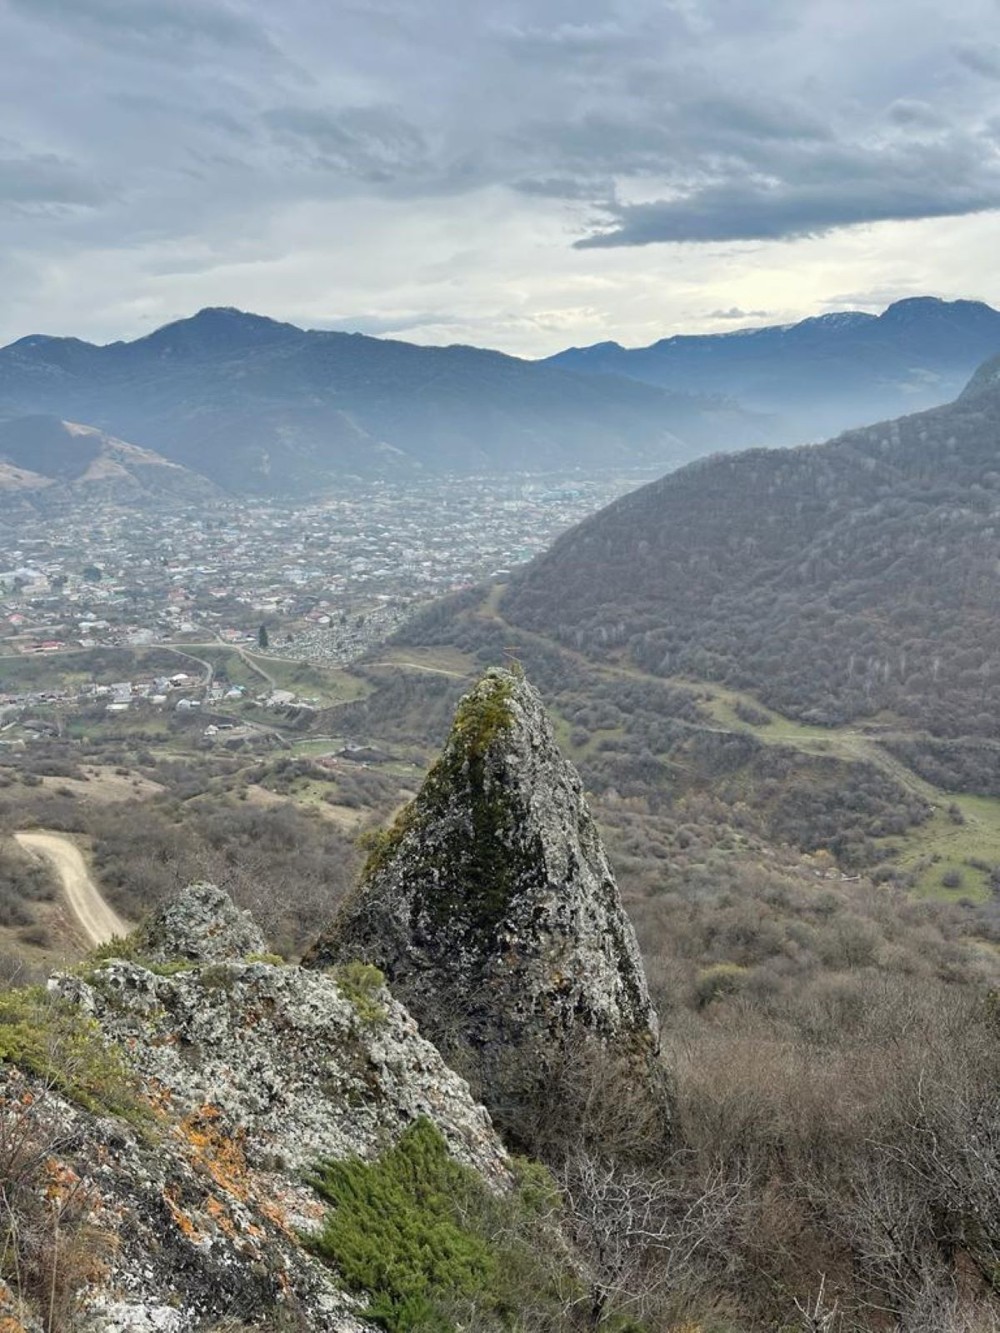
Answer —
(21, 672)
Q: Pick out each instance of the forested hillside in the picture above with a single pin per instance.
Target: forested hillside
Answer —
(856, 579)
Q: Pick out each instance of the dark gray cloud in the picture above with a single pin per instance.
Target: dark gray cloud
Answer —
(732, 213)
(840, 187)
(43, 181)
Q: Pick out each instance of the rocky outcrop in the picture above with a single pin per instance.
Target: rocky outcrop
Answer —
(249, 1074)
(164, 1108)
(202, 925)
(492, 909)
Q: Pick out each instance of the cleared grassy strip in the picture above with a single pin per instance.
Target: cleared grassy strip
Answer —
(235, 667)
(944, 850)
(260, 674)
(328, 685)
(941, 853)
(444, 661)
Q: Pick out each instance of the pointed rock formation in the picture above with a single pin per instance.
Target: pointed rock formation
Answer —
(492, 909)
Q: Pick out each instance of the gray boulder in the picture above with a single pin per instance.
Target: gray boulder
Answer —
(202, 924)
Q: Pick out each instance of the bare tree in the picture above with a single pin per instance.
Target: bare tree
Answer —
(647, 1238)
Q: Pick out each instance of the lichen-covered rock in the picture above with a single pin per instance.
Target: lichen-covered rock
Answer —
(289, 1059)
(14, 1318)
(164, 1226)
(492, 909)
(202, 924)
(251, 1074)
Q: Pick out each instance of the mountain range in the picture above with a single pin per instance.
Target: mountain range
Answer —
(821, 375)
(257, 406)
(262, 407)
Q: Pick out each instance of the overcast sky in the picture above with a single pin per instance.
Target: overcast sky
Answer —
(522, 175)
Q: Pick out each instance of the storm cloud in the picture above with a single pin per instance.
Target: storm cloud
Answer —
(484, 165)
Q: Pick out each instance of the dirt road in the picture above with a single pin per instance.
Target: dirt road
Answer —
(98, 921)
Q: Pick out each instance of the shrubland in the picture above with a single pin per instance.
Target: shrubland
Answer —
(283, 860)
(831, 1037)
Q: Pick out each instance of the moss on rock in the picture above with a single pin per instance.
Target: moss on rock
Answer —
(49, 1038)
(492, 909)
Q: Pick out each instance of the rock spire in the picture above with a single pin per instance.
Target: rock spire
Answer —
(493, 912)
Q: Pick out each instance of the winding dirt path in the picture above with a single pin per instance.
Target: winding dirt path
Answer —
(98, 921)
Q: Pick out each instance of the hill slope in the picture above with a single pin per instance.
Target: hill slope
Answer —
(265, 407)
(838, 581)
(821, 375)
(45, 462)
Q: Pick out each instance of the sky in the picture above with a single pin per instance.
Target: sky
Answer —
(525, 175)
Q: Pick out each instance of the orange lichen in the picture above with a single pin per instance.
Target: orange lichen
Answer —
(159, 1096)
(62, 1179)
(184, 1224)
(11, 1324)
(276, 1215)
(220, 1155)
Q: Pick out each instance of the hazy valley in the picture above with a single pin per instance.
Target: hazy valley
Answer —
(264, 408)
(774, 672)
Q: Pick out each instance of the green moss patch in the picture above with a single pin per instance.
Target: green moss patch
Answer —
(361, 983)
(423, 1240)
(465, 872)
(482, 716)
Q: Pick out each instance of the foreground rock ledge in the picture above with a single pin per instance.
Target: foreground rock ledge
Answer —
(252, 1072)
(492, 909)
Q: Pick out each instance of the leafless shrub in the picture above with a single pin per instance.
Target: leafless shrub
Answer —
(50, 1246)
(649, 1240)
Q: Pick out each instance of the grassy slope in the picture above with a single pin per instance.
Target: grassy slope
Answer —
(944, 845)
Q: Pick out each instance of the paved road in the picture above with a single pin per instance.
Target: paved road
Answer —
(98, 921)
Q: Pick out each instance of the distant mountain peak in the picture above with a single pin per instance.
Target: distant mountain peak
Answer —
(45, 340)
(836, 319)
(823, 374)
(919, 307)
(217, 328)
(609, 346)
